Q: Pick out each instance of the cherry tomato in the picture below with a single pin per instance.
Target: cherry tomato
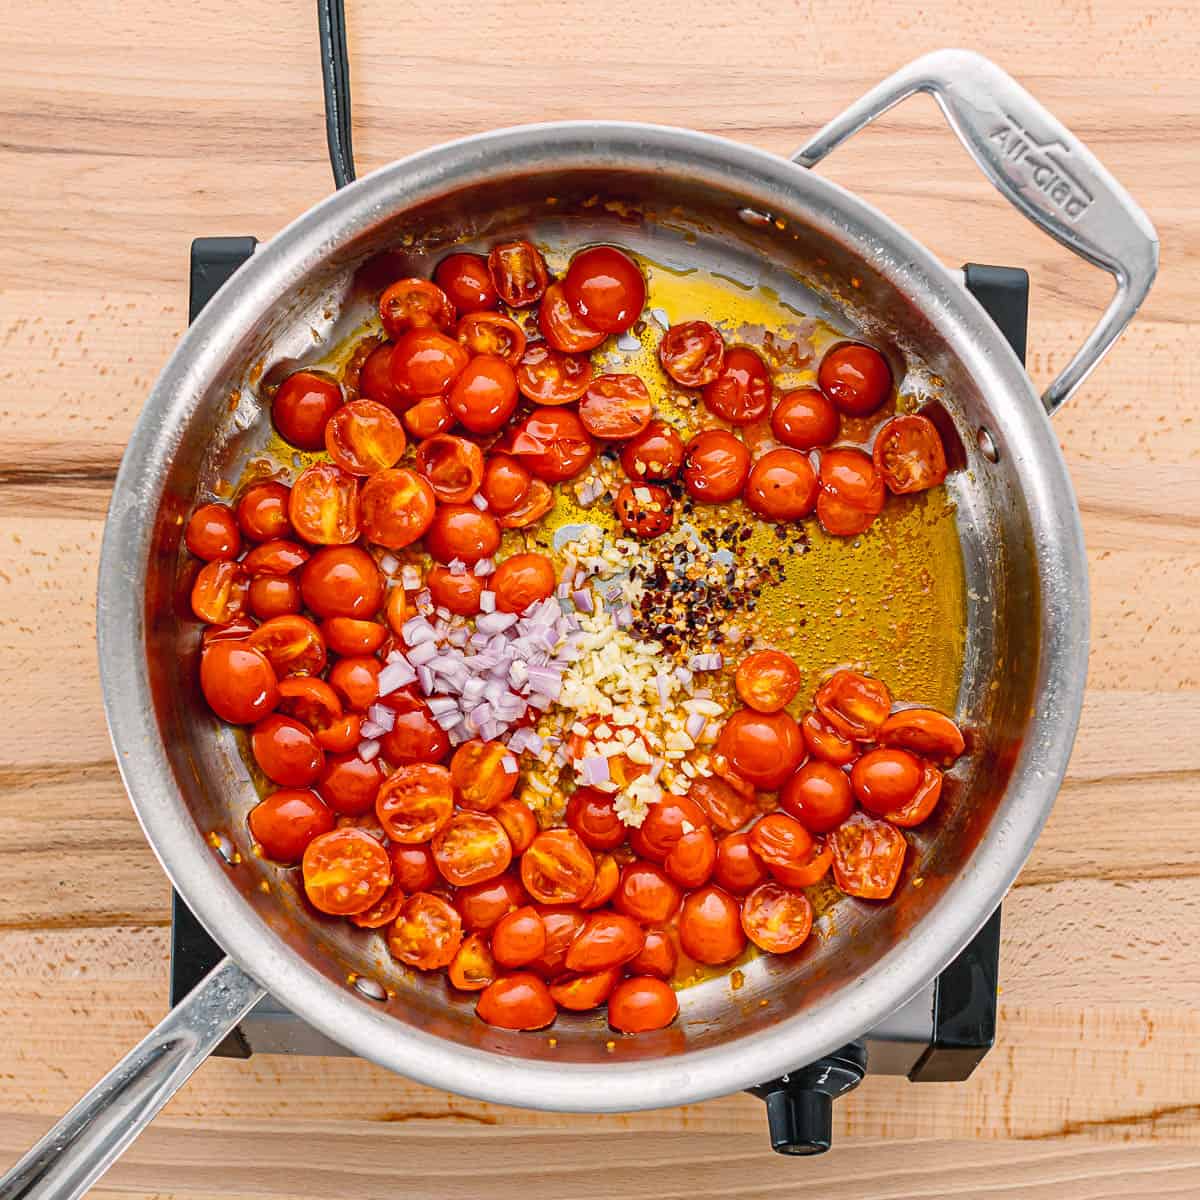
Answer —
(782, 486)
(654, 454)
(923, 802)
(518, 273)
(483, 904)
(644, 509)
(427, 417)
(356, 681)
(558, 868)
(608, 876)
(383, 912)
(273, 596)
(606, 940)
(415, 801)
(375, 381)
(762, 748)
(666, 822)
(738, 867)
(552, 444)
(767, 681)
(856, 378)
(323, 506)
(342, 581)
(425, 362)
(693, 353)
(484, 396)
(519, 937)
(819, 796)
(715, 466)
(262, 511)
(580, 993)
(395, 610)
(886, 779)
(804, 419)
(346, 871)
(777, 919)
(234, 631)
(471, 848)
(427, 933)
(413, 868)
(303, 404)
(522, 580)
(349, 635)
(724, 805)
(311, 701)
(547, 376)
(657, 956)
(824, 742)
(341, 734)
(538, 501)
(415, 737)
(505, 483)
(909, 454)
(478, 775)
(286, 821)
(788, 850)
(692, 859)
(741, 393)
(238, 682)
(710, 928)
(615, 407)
(491, 333)
(519, 823)
(414, 304)
(852, 493)
(461, 531)
(286, 751)
(868, 856)
(219, 593)
(647, 893)
(276, 557)
(363, 437)
(606, 288)
(348, 785)
(563, 327)
(465, 280)
(473, 967)
(212, 533)
(459, 593)
(520, 1001)
(562, 927)
(924, 731)
(641, 1004)
(593, 816)
(855, 705)
(452, 465)
(397, 508)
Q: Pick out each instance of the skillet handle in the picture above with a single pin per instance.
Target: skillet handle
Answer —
(94, 1134)
(1046, 172)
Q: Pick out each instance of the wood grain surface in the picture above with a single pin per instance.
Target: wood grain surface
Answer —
(127, 130)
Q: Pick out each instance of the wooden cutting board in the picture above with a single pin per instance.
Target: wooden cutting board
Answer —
(126, 133)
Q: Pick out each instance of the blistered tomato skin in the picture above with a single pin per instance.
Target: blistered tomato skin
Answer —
(552, 444)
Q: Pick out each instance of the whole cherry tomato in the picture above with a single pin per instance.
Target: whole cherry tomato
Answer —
(909, 454)
(273, 596)
(219, 593)
(762, 748)
(852, 492)
(592, 815)
(413, 868)
(348, 785)
(579, 993)
(787, 848)
(472, 847)
(558, 868)
(924, 731)
(262, 511)
(522, 580)
(538, 501)
(606, 288)
(363, 437)
(519, 937)
(345, 871)
(415, 737)
(606, 940)
(777, 919)
(856, 378)
(415, 801)
(414, 304)
(868, 856)
(647, 893)
(724, 805)
(397, 508)
(323, 506)
(886, 779)
(552, 444)
(452, 465)
(855, 705)
(666, 822)
(349, 635)
(484, 396)
(238, 682)
(781, 486)
(276, 557)
(212, 533)
(641, 1004)
(465, 279)
(520, 1001)
(491, 333)
(459, 593)
(644, 509)
(480, 778)
(738, 867)
(302, 405)
(286, 751)
(547, 376)
(342, 581)
(819, 796)
(710, 927)
(427, 933)
(356, 681)
(428, 416)
(657, 956)
(741, 393)
(615, 407)
(692, 353)
(483, 904)
(473, 967)
(693, 857)
(461, 531)
(518, 273)
(292, 644)
(804, 419)
(825, 742)
(375, 381)
(286, 821)
(655, 454)
(767, 680)
(519, 823)
(563, 327)
(425, 362)
(715, 466)
(505, 483)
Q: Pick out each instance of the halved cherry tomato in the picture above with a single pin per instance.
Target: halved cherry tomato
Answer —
(923, 802)
(615, 407)
(309, 700)
(375, 381)
(767, 680)
(483, 904)
(491, 333)
(262, 511)
(346, 871)
(341, 734)
(484, 395)
(852, 493)
(657, 957)
(212, 533)
(466, 281)
(342, 581)
(219, 593)
(606, 940)
(547, 376)
(234, 631)
(286, 751)
(518, 273)
(349, 635)
(777, 919)
(692, 859)
(868, 856)
(710, 927)
(363, 437)
(413, 867)
(644, 509)
(538, 501)
(395, 610)
(452, 465)
(665, 823)
(383, 912)
(273, 596)
(427, 417)
(427, 933)
(505, 483)
(654, 454)
(293, 645)
(741, 393)
(425, 362)
(580, 993)
(276, 557)
(563, 327)
(473, 967)
(397, 508)
(471, 847)
(521, 580)
(303, 404)
(641, 1004)
(855, 377)
(727, 807)
(461, 531)
(552, 444)
(647, 893)
(286, 821)
(924, 731)
(349, 785)
(562, 926)
(782, 843)
(819, 796)
(692, 353)
(608, 875)
(909, 454)
(478, 775)
(804, 419)
(459, 593)
(781, 486)
(415, 801)
(323, 506)
(824, 742)
(558, 868)
(415, 737)
(519, 937)
(414, 304)
(762, 748)
(855, 705)
(520, 1001)
(715, 466)
(738, 867)
(519, 823)
(593, 816)
(885, 780)
(606, 288)
(356, 680)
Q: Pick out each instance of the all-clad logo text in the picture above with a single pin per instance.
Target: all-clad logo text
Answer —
(1042, 166)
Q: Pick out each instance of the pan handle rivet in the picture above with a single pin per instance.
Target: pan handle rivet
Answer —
(987, 445)
(370, 988)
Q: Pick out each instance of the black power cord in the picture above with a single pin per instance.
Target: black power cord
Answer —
(335, 73)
